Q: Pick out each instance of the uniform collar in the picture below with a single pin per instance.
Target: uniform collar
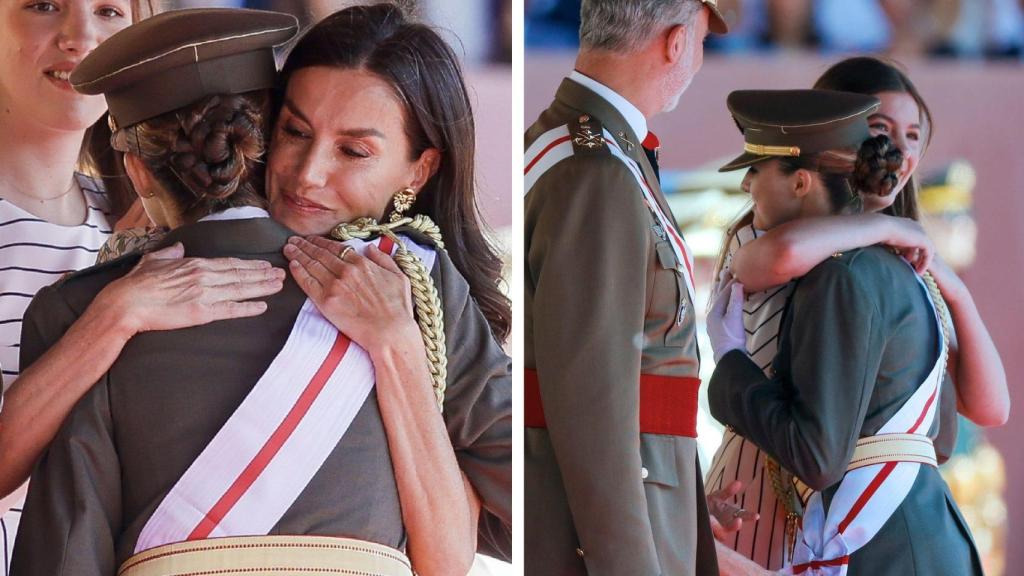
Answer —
(237, 213)
(633, 116)
(210, 239)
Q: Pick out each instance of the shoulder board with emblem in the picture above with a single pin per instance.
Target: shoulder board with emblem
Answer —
(587, 135)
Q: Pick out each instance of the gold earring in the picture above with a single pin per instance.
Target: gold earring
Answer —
(401, 201)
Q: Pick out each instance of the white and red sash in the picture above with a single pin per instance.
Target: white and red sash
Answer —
(867, 497)
(272, 445)
(555, 145)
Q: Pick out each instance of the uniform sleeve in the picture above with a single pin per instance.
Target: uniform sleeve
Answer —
(478, 408)
(588, 235)
(809, 415)
(73, 510)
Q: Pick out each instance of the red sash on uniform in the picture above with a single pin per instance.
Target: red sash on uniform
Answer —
(668, 404)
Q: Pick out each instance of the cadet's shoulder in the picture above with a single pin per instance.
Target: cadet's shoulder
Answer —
(83, 285)
(866, 269)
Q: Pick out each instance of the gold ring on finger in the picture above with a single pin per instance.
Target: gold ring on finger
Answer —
(345, 252)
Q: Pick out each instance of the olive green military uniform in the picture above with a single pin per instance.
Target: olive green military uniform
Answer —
(130, 439)
(857, 339)
(606, 301)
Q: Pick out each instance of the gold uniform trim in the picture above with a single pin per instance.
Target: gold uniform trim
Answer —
(269, 555)
(762, 150)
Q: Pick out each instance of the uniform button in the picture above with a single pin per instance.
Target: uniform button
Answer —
(579, 552)
(644, 473)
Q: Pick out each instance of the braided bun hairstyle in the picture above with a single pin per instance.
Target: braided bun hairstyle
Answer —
(208, 155)
(847, 173)
(877, 165)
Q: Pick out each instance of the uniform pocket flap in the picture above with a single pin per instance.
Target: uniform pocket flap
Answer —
(666, 256)
(658, 458)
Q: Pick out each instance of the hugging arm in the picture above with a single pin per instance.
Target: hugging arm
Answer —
(164, 291)
(73, 511)
(792, 249)
(809, 415)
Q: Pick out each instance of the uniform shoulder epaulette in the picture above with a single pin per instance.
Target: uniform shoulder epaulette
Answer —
(125, 261)
(587, 135)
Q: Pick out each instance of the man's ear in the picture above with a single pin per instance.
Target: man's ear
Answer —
(675, 43)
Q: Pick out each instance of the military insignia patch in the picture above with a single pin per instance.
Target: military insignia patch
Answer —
(585, 137)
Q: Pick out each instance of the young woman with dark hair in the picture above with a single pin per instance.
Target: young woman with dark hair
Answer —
(767, 260)
(836, 378)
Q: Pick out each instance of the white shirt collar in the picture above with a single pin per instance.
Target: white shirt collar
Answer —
(237, 213)
(631, 113)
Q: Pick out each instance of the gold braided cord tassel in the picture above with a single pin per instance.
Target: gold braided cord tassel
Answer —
(943, 312)
(786, 494)
(426, 301)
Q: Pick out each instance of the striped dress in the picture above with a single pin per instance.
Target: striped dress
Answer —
(35, 253)
(740, 459)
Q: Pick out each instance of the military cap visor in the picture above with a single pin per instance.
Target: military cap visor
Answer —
(176, 58)
(792, 123)
(716, 22)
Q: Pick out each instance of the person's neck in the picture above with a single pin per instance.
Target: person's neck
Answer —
(816, 205)
(631, 76)
(41, 165)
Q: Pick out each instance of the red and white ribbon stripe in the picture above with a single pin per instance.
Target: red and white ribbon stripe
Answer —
(273, 444)
(679, 246)
(867, 497)
(555, 145)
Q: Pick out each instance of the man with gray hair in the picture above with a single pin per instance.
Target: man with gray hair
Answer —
(613, 486)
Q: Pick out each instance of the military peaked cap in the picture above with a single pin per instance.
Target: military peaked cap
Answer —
(797, 122)
(179, 57)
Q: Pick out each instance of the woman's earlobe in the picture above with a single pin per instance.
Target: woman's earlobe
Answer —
(802, 183)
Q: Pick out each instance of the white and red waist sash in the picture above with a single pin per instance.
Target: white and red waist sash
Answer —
(270, 448)
(867, 497)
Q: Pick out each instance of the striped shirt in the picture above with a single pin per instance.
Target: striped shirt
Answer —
(35, 253)
(740, 459)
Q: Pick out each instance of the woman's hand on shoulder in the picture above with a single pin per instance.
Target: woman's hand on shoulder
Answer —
(166, 291)
(910, 241)
(366, 297)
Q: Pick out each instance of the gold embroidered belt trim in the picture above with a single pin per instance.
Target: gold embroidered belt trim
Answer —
(883, 448)
(255, 555)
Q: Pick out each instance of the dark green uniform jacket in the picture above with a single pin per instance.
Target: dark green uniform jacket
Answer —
(605, 302)
(135, 433)
(859, 336)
